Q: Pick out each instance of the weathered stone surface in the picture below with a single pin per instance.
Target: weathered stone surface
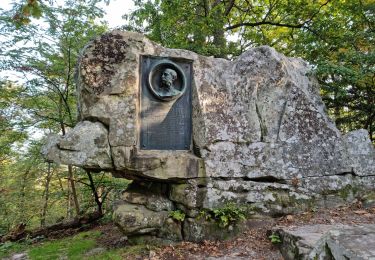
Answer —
(355, 242)
(198, 229)
(273, 196)
(50, 150)
(327, 242)
(137, 219)
(298, 242)
(260, 135)
(259, 115)
(151, 201)
(171, 230)
(152, 195)
(156, 165)
(360, 153)
(188, 194)
(86, 145)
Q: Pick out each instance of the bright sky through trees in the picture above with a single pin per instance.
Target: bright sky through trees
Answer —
(114, 10)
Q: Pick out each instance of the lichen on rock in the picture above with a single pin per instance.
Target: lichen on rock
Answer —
(260, 136)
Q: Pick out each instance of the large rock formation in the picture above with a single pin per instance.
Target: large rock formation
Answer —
(260, 136)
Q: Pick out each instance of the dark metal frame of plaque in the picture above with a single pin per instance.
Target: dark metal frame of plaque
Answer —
(165, 109)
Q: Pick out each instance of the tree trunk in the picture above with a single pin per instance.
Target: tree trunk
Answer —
(52, 230)
(70, 174)
(73, 186)
(68, 202)
(22, 218)
(46, 197)
(219, 40)
(99, 203)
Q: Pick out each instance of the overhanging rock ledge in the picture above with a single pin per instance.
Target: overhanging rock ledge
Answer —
(260, 135)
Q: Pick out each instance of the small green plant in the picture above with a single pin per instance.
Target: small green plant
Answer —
(275, 239)
(177, 215)
(225, 216)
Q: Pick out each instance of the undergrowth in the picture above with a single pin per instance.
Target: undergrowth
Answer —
(225, 216)
(73, 248)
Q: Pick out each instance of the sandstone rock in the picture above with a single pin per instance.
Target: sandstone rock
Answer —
(86, 145)
(151, 201)
(327, 241)
(190, 194)
(198, 229)
(298, 242)
(171, 230)
(259, 115)
(137, 219)
(360, 153)
(260, 135)
(355, 242)
(189, 212)
(153, 195)
(50, 150)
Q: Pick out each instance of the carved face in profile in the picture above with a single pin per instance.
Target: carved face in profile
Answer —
(167, 78)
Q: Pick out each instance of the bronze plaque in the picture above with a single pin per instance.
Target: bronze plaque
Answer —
(165, 103)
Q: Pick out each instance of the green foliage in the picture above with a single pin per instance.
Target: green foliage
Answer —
(275, 239)
(9, 248)
(74, 247)
(71, 248)
(177, 215)
(20, 183)
(182, 24)
(47, 55)
(9, 115)
(225, 216)
(25, 11)
(42, 56)
(340, 44)
(109, 189)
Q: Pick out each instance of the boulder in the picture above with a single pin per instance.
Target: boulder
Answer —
(137, 219)
(327, 241)
(198, 229)
(171, 230)
(86, 145)
(151, 201)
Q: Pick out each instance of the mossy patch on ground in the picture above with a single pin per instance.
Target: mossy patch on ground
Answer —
(80, 246)
(9, 248)
(71, 247)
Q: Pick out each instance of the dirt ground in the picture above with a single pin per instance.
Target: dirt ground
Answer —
(252, 243)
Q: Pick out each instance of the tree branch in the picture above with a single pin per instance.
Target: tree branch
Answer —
(279, 24)
(229, 7)
(264, 23)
